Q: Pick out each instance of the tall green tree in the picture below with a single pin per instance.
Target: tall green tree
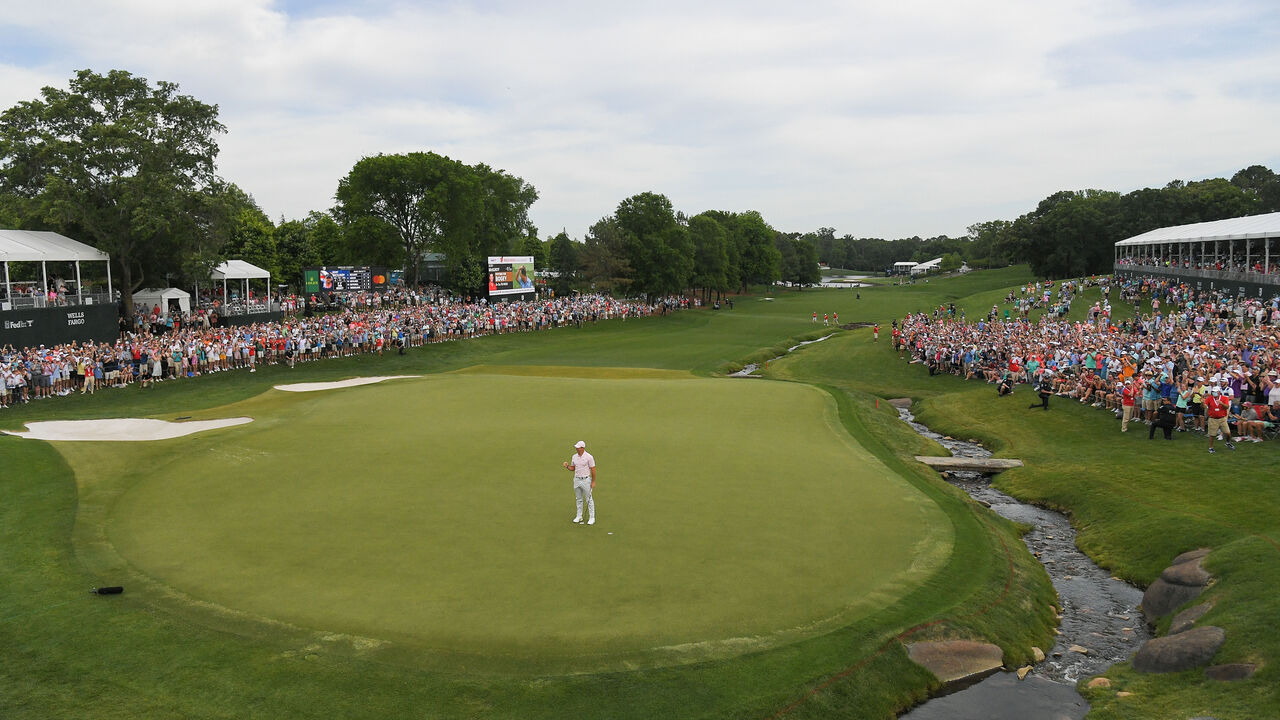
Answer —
(431, 202)
(296, 248)
(420, 198)
(1261, 182)
(603, 258)
(710, 254)
(498, 207)
(562, 259)
(656, 245)
(807, 271)
(251, 236)
(753, 257)
(530, 245)
(116, 158)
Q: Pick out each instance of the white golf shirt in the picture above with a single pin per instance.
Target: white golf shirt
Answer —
(582, 464)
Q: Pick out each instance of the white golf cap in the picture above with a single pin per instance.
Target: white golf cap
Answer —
(580, 444)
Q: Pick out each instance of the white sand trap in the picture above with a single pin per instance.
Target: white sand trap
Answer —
(353, 382)
(121, 429)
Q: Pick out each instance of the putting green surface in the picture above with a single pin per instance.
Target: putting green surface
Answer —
(433, 515)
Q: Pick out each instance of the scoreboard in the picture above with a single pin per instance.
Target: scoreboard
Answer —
(347, 278)
(511, 275)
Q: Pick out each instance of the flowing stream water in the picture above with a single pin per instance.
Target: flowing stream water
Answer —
(1099, 614)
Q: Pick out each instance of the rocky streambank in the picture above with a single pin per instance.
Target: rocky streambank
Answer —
(1099, 625)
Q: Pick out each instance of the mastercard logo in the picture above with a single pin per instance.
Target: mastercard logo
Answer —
(379, 279)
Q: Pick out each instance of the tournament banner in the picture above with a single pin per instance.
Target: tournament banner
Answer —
(511, 275)
(56, 325)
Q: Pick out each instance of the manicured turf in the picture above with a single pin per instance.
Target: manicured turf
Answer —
(154, 653)
(434, 513)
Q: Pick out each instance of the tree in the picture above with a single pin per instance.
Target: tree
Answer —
(430, 202)
(419, 197)
(986, 244)
(753, 258)
(250, 234)
(710, 254)
(115, 158)
(807, 271)
(655, 244)
(562, 259)
(1260, 181)
(950, 261)
(296, 249)
(530, 245)
(603, 259)
(326, 237)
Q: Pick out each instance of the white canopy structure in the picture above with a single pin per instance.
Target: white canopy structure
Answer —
(1252, 227)
(45, 247)
(926, 266)
(244, 272)
(1235, 249)
(152, 297)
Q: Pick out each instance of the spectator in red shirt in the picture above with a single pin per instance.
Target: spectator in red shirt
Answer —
(1216, 408)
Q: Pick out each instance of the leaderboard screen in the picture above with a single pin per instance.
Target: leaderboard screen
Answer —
(344, 279)
(511, 275)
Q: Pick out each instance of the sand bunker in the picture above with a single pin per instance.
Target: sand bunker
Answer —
(353, 382)
(121, 429)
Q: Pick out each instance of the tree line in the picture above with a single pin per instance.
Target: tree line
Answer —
(1071, 232)
(129, 168)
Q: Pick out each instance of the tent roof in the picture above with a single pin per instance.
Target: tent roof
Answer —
(238, 270)
(1241, 228)
(166, 293)
(37, 245)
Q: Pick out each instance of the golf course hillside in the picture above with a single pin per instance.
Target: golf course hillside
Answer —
(764, 547)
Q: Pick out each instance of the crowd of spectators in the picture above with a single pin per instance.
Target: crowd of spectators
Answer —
(162, 347)
(1237, 263)
(1198, 357)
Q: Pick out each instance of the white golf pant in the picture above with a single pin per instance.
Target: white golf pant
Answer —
(582, 489)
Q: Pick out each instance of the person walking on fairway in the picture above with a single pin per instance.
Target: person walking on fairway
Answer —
(583, 465)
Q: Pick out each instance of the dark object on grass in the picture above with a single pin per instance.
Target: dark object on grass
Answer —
(184, 417)
(112, 590)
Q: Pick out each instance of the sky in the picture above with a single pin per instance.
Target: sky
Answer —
(878, 119)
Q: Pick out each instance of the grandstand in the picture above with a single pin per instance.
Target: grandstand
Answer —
(1239, 254)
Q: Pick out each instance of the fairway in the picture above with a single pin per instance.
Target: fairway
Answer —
(431, 516)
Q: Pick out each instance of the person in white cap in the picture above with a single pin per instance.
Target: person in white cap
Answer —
(583, 465)
(1216, 408)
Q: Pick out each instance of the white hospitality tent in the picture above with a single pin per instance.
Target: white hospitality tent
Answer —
(1207, 241)
(925, 267)
(152, 297)
(44, 247)
(244, 272)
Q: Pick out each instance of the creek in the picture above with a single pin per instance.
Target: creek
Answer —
(1099, 613)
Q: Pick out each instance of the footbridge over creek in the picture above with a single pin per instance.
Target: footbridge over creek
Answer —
(971, 464)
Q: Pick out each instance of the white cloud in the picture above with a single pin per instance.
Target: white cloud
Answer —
(885, 119)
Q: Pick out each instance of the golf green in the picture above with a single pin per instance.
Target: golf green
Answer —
(433, 515)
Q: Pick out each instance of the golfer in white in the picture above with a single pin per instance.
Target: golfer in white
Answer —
(583, 466)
